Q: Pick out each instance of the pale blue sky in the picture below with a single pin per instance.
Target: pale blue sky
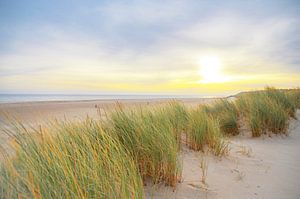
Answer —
(146, 46)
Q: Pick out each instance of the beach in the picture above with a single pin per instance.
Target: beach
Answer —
(150, 99)
(41, 112)
(264, 167)
(31, 112)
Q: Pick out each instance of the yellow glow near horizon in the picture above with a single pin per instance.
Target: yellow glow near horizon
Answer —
(210, 70)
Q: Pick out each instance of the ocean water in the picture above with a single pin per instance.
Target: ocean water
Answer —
(14, 98)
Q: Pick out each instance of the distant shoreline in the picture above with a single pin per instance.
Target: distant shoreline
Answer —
(39, 111)
(21, 99)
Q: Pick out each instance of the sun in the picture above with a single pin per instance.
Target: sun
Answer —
(210, 69)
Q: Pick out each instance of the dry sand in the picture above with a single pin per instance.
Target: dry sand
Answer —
(266, 167)
(35, 112)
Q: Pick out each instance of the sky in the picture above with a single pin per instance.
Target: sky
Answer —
(192, 47)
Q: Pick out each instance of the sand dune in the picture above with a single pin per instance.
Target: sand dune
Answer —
(265, 167)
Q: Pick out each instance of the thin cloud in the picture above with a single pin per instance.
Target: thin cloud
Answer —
(146, 44)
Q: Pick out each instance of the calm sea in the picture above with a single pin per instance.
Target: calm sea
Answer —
(11, 98)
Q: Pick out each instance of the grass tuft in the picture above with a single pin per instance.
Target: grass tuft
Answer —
(282, 98)
(149, 137)
(265, 112)
(227, 114)
(177, 115)
(294, 95)
(69, 160)
(204, 130)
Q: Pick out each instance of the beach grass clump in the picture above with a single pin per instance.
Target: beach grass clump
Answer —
(294, 95)
(69, 160)
(227, 114)
(177, 115)
(264, 113)
(243, 103)
(204, 130)
(282, 98)
(148, 135)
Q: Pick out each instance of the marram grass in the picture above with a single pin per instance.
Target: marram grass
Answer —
(69, 160)
(149, 137)
(294, 95)
(282, 98)
(267, 110)
(177, 114)
(204, 130)
(227, 114)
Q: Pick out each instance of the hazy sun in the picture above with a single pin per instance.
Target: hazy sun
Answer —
(210, 69)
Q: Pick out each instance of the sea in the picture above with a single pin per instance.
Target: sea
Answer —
(16, 98)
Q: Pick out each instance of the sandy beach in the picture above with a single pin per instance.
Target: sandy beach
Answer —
(265, 167)
(36, 113)
(31, 112)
